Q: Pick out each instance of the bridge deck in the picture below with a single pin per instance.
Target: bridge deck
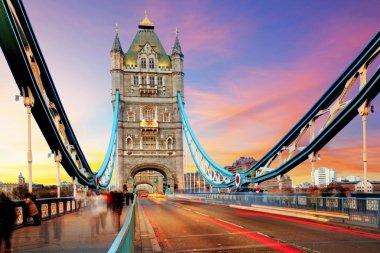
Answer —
(69, 233)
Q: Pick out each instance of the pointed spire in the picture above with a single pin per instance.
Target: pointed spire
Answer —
(146, 23)
(116, 46)
(177, 46)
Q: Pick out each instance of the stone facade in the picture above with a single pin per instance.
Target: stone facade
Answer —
(149, 127)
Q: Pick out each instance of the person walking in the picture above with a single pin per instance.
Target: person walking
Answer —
(32, 209)
(7, 221)
(117, 206)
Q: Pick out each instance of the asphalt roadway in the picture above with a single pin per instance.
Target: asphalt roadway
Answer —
(187, 226)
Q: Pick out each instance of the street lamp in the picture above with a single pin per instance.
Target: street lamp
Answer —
(28, 103)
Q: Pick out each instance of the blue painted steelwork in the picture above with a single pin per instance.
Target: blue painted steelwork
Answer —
(24, 57)
(338, 119)
(363, 211)
(210, 171)
(124, 239)
(106, 169)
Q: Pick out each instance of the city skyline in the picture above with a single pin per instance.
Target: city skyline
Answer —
(256, 67)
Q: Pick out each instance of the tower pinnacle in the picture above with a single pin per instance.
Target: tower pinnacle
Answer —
(177, 46)
(116, 46)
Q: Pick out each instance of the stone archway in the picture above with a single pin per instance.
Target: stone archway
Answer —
(144, 186)
(163, 184)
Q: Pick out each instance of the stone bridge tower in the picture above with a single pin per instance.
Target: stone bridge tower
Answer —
(150, 128)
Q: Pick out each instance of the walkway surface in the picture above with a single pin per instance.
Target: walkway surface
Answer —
(68, 233)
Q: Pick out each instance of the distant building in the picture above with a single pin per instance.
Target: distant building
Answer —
(372, 186)
(7, 188)
(242, 164)
(349, 179)
(323, 176)
(195, 182)
(273, 184)
(348, 185)
(21, 180)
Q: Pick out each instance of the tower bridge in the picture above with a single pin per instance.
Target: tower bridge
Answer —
(150, 128)
(149, 115)
(146, 141)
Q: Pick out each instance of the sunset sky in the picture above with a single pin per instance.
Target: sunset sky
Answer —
(252, 70)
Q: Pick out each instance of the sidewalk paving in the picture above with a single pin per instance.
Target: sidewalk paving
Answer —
(68, 233)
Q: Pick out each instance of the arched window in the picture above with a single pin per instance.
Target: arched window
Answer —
(129, 143)
(151, 63)
(169, 143)
(148, 113)
(143, 63)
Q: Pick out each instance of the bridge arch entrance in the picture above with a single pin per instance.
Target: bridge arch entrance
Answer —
(158, 176)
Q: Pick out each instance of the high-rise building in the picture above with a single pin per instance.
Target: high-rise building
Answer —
(323, 176)
(149, 127)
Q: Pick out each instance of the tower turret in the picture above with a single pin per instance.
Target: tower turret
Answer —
(177, 65)
(116, 51)
(117, 62)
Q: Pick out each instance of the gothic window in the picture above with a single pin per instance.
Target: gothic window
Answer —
(166, 117)
(135, 80)
(160, 80)
(169, 143)
(131, 116)
(151, 80)
(129, 143)
(151, 63)
(148, 113)
(149, 142)
(143, 63)
(143, 80)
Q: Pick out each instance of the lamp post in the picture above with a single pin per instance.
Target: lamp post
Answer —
(75, 181)
(363, 111)
(58, 159)
(29, 103)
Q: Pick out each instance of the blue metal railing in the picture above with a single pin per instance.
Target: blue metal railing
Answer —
(362, 211)
(124, 240)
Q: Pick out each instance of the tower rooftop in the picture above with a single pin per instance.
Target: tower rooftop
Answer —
(146, 23)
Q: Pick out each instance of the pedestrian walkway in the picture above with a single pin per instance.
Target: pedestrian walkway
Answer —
(69, 233)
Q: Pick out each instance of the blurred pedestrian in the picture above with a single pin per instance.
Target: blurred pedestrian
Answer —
(93, 212)
(117, 207)
(102, 208)
(127, 196)
(7, 221)
(32, 208)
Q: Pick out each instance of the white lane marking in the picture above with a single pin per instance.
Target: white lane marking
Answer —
(230, 223)
(201, 213)
(262, 234)
(187, 209)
